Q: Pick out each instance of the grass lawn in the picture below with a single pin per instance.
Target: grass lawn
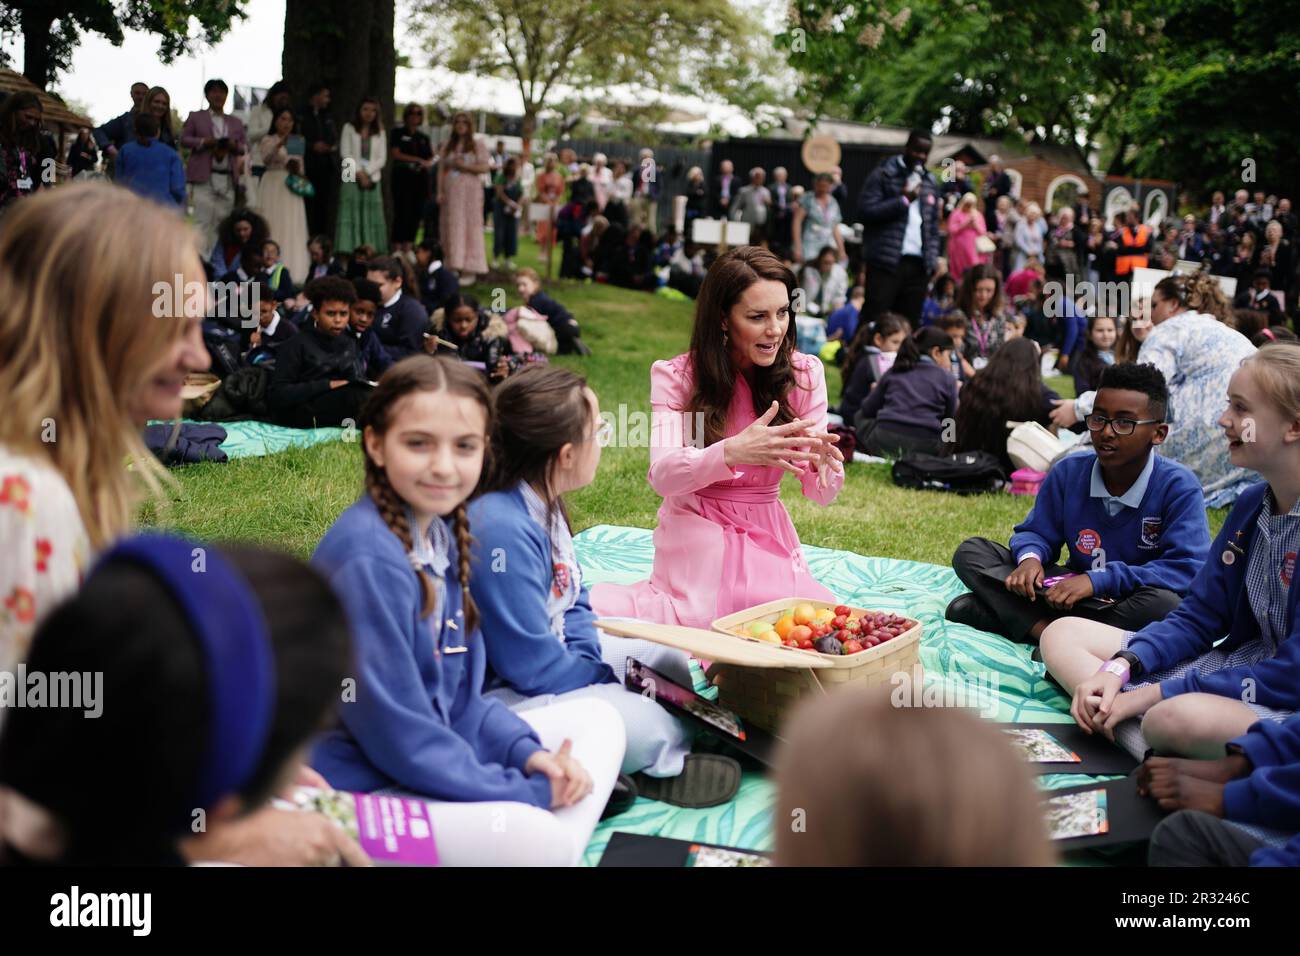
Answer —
(289, 499)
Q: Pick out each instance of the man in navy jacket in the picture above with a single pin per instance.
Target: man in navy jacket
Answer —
(899, 210)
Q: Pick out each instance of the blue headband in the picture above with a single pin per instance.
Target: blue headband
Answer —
(233, 633)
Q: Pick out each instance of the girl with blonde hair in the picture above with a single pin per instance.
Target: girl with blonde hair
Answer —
(97, 340)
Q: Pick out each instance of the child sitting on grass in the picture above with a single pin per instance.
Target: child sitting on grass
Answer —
(567, 333)
(318, 380)
(273, 329)
(1240, 809)
(870, 355)
(1097, 354)
(924, 787)
(1008, 389)
(375, 359)
(1193, 690)
(954, 325)
(842, 324)
(470, 336)
(1133, 523)
(907, 409)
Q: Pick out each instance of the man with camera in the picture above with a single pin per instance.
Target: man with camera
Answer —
(217, 144)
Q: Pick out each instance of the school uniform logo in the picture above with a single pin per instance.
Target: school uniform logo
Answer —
(1288, 568)
(1151, 528)
(560, 585)
(1087, 542)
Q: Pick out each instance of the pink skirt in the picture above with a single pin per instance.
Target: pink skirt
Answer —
(722, 549)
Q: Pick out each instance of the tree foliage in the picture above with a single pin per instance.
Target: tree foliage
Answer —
(52, 31)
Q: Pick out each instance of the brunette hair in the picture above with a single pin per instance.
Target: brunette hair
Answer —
(456, 142)
(888, 323)
(423, 373)
(914, 346)
(966, 294)
(940, 786)
(535, 413)
(1007, 389)
(359, 124)
(712, 367)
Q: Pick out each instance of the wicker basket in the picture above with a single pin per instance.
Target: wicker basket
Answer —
(764, 695)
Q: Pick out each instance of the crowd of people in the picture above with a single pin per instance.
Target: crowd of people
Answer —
(514, 711)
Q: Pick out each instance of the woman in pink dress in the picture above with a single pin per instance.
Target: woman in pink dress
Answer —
(461, 164)
(724, 540)
(965, 226)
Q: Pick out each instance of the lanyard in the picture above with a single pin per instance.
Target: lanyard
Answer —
(980, 337)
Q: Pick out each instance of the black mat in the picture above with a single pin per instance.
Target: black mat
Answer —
(640, 850)
(1097, 755)
(1132, 818)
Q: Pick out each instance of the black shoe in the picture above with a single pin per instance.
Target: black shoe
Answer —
(622, 797)
(969, 609)
(707, 780)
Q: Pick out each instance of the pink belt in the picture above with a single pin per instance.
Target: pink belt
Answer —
(752, 494)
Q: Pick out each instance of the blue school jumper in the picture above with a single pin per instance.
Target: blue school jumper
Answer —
(419, 720)
(1219, 603)
(512, 574)
(1270, 795)
(1160, 540)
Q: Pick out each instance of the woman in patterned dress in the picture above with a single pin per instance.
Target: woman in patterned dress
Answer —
(462, 161)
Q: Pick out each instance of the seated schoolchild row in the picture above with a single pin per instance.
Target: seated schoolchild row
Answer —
(504, 788)
(1242, 808)
(207, 686)
(1132, 522)
(1193, 689)
(543, 642)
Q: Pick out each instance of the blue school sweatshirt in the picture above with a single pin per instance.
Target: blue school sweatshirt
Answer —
(913, 402)
(1162, 543)
(1217, 604)
(1270, 795)
(510, 578)
(419, 720)
(152, 170)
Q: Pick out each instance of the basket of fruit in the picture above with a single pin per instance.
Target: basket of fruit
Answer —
(763, 661)
(863, 647)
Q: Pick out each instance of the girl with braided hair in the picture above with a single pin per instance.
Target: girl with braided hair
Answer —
(500, 788)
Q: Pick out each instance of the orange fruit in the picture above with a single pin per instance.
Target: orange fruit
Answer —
(783, 625)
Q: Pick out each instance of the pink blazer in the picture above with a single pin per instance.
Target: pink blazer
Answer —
(197, 128)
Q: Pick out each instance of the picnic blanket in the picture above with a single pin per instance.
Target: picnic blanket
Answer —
(957, 658)
(254, 439)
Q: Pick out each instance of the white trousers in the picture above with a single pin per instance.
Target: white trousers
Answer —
(212, 202)
(657, 742)
(518, 834)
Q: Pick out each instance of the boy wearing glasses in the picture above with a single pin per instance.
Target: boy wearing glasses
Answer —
(1132, 521)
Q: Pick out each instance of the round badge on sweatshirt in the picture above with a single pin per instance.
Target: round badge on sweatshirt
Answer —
(1288, 568)
(1088, 541)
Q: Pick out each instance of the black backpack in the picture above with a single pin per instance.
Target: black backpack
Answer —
(966, 472)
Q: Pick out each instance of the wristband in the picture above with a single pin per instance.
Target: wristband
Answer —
(1135, 667)
(1117, 667)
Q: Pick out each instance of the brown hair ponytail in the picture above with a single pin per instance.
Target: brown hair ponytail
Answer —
(464, 542)
(422, 373)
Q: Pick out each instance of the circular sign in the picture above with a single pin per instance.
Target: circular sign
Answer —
(821, 154)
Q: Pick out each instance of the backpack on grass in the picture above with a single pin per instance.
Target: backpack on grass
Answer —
(966, 472)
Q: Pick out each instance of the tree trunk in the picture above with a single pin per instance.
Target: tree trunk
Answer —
(38, 64)
(347, 44)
